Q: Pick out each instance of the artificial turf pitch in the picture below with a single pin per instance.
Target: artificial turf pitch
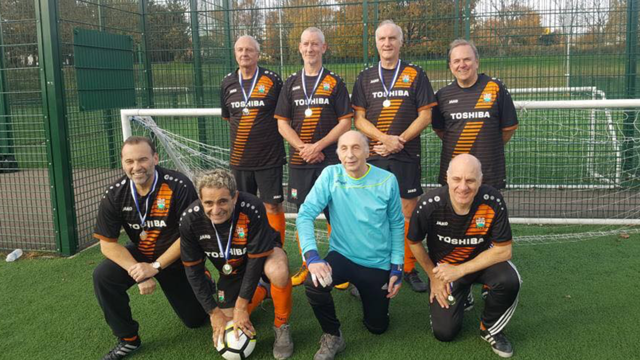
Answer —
(578, 301)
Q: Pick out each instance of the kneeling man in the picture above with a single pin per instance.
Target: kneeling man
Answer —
(468, 235)
(231, 228)
(366, 245)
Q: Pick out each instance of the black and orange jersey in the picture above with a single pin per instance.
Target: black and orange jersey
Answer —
(411, 93)
(255, 140)
(252, 236)
(330, 103)
(456, 239)
(473, 120)
(173, 194)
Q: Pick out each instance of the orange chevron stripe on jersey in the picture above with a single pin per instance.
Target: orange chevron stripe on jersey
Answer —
(488, 96)
(458, 255)
(328, 81)
(484, 215)
(406, 78)
(262, 88)
(387, 115)
(241, 232)
(309, 125)
(242, 135)
(148, 245)
(467, 137)
(164, 197)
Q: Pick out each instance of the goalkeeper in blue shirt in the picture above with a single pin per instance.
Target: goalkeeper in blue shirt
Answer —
(366, 245)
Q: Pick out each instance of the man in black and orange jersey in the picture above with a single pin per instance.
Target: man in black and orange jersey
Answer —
(313, 111)
(475, 115)
(231, 229)
(248, 100)
(393, 102)
(147, 202)
(466, 226)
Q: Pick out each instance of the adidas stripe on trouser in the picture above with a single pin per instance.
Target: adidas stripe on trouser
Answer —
(504, 282)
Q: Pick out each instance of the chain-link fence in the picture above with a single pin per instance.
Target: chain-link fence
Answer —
(58, 151)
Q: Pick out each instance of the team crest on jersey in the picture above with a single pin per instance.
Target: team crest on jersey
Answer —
(294, 193)
(326, 86)
(241, 233)
(261, 89)
(161, 203)
(405, 79)
(220, 296)
(486, 97)
(480, 222)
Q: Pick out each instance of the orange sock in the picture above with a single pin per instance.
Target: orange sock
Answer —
(257, 298)
(409, 259)
(282, 303)
(328, 230)
(298, 241)
(278, 223)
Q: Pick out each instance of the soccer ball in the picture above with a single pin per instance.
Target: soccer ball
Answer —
(235, 349)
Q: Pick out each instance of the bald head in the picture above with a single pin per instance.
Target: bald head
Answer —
(354, 136)
(246, 40)
(466, 163)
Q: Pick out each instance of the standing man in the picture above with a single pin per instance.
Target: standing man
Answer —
(475, 115)
(248, 100)
(313, 111)
(365, 246)
(466, 226)
(230, 228)
(147, 202)
(393, 102)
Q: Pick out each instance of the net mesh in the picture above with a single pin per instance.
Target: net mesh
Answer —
(565, 166)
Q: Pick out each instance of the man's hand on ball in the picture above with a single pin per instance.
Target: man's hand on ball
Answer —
(218, 323)
(241, 321)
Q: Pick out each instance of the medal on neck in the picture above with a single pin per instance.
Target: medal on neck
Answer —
(309, 112)
(245, 110)
(386, 103)
(226, 268)
(134, 194)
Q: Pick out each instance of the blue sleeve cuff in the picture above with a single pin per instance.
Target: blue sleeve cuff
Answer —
(311, 257)
(396, 270)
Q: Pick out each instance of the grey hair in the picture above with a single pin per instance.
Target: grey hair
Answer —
(472, 158)
(390, 22)
(364, 140)
(462, 42)
(313, 29)
(217, 179)
(255, 42)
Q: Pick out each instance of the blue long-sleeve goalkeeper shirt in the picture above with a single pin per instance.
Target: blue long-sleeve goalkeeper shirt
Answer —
(366, 216)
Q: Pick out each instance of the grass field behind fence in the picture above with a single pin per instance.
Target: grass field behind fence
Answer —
(577, 302)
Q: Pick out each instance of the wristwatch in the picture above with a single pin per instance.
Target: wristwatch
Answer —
(156, 265)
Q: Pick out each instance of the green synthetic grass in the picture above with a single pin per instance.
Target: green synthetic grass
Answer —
(577, 302)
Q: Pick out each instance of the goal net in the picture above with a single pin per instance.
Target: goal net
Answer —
(573, 162)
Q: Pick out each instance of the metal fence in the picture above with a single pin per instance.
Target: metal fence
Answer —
(56, 157)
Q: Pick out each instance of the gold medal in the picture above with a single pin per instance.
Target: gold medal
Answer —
(386, 103)
(227, 269)
(143, 235)
(245, 111)
(308, 113)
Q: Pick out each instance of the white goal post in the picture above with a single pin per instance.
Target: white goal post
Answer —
(128, 114)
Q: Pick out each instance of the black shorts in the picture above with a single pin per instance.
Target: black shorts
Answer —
(408, 175)
(268, 181)
(228, 286)
(301, 181)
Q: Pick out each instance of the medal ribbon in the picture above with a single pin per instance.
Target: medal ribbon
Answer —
(226, 251)
(134, 194)
(253, 85)
(393, 82)
(304, 86)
